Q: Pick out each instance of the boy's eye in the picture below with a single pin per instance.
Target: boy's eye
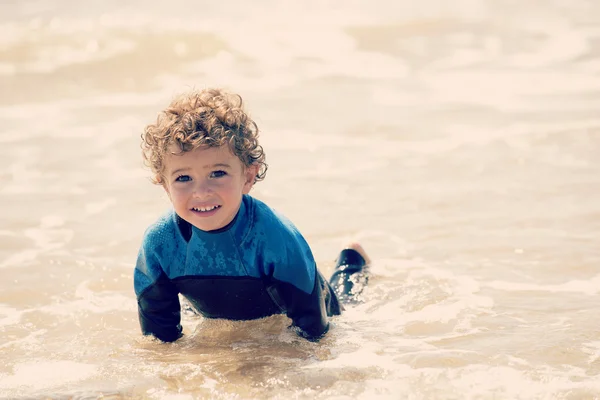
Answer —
(217, 174)
(183, 178)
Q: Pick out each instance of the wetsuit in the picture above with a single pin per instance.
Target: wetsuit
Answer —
(258, 265)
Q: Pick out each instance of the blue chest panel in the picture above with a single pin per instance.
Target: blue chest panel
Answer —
(211, 258)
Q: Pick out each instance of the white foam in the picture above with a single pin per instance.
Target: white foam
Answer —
(482, 380)
(90, 301)
(455, 302)
(45, 238)
(588, 287)
(44, 374)
(9, 315)
(49, 238)
(20, 259)
(365, 357)
(33, 342)
(167, 395)
(52, 58)
(444, 312)
(593, 349)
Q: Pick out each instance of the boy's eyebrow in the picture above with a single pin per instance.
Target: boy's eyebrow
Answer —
(218, 165)
(221, 165)
(178, 170)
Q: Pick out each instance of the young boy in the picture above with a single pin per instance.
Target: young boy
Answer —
(229, 254)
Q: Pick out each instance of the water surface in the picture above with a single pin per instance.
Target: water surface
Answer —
(458, 142)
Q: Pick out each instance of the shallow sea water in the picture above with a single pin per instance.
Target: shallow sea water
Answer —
(458, 141)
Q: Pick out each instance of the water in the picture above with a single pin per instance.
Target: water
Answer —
(459, 142)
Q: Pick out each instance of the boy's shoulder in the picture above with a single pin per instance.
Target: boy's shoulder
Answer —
(271, 222)
(162, 229)
(286, 255)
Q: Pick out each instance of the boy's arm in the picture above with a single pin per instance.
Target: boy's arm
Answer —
(301, 291)
(308, 311)
(157, 298)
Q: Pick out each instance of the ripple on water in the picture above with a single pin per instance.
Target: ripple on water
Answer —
(43, 374)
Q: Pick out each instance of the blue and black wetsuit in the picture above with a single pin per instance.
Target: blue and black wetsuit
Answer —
(256, 266)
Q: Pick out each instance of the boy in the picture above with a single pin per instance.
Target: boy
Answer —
(229, 254)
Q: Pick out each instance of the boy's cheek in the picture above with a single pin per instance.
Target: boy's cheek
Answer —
(166, 187)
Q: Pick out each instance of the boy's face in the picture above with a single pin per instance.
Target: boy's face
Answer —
(206, 185)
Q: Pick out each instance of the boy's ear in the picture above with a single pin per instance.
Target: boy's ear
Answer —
(250, 175)
(163, 183)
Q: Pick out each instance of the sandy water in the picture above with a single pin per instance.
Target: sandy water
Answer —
(458, 141)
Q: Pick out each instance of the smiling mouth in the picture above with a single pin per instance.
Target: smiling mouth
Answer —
(205, 209)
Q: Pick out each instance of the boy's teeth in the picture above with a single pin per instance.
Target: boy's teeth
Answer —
(203, 209)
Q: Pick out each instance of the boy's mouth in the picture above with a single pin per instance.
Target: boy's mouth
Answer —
(205, 209)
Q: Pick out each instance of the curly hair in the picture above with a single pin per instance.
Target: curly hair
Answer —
(209, 117)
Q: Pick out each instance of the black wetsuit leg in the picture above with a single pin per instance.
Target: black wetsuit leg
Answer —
(350, 276)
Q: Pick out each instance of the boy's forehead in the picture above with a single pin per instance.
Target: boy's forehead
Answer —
(175, 149)
(208, 155)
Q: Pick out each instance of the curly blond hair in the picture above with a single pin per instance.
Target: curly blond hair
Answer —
(209, 117)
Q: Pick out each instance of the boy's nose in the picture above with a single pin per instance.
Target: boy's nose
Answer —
(202, 188)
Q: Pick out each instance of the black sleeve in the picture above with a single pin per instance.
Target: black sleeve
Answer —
(159, 311)
(308, 312)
